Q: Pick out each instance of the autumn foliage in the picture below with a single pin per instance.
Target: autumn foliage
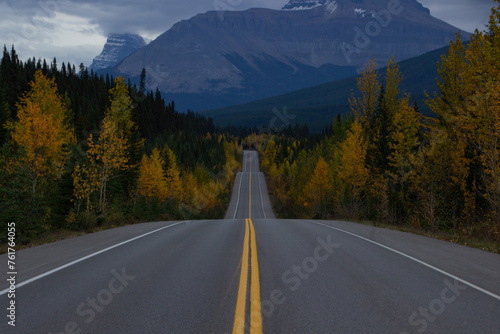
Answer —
(389, 163)
(61, 168)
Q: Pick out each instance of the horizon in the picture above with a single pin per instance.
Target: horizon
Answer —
(77, 32)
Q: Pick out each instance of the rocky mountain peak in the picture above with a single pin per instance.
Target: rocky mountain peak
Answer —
(305, 4)
(353, 8)
(207, 62)
(117, 48)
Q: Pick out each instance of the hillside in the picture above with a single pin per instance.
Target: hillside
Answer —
(219, 59)
(316, 106)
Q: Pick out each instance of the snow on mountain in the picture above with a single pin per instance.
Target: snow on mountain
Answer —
(117, 48)
(331, 7)
(206, 62)
(305, 4)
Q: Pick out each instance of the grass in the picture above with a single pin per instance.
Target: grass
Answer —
(45, 238)
(62, 234)
(456, 238)
(475, 242)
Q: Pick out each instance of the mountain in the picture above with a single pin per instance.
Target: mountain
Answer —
(117, 48)
(305, 4)
(223, 58)
(317, 106)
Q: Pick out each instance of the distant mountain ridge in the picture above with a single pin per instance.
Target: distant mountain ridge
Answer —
(317, 106)
(222, 58)
(117, 48)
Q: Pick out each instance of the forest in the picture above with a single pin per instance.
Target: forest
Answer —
(81, 151)
(387, 163)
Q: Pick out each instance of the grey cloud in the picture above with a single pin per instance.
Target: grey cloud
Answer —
(19, 19)
(465, 14)
(153, 16)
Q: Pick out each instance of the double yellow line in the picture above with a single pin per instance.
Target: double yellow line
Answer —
(249, 246)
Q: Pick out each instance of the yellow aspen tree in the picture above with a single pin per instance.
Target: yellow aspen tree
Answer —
(269, 155)
(485, 119)
(192, 192)
(121, 107)
(152, 182)
(364, 107)
(318, 189)
(121, 111)
(481, 81)
(404, 143)
(352, 170)
(450, 106)
(431, 182)
(112, 150)
(379, 136)
(43, 132)
(427, 180)
(174, 180)
(393, 79)
(231, 164)
(85, 182)
(107, 155)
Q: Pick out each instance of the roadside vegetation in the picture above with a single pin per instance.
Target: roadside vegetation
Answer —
(387, 164)
(81, 152)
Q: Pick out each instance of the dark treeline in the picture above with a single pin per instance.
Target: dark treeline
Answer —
(388, 163)
(87, 95)
(196, 155)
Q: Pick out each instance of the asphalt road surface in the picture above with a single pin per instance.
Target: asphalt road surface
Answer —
(251, 273)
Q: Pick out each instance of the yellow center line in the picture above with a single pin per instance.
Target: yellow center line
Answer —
(239, 318)
(250, 190)
(255, 304)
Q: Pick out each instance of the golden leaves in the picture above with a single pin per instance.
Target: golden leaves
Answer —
(320, 184)
(152, 182)
(364, 107)
(174, 181)
(42, 131)
(352, 170)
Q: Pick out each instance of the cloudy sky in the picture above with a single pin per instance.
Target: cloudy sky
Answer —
(75, 30)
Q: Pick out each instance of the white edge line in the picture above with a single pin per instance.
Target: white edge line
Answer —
(86, 257)
(260, 191)
(239, 190)
(491, 294)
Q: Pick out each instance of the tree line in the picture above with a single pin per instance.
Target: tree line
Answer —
(386, 162)
(79, 151)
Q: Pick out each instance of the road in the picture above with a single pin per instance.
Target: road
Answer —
(252, 273)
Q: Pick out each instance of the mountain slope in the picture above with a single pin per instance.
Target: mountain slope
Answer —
(317, 106)
(223, 58)
(117, 48)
